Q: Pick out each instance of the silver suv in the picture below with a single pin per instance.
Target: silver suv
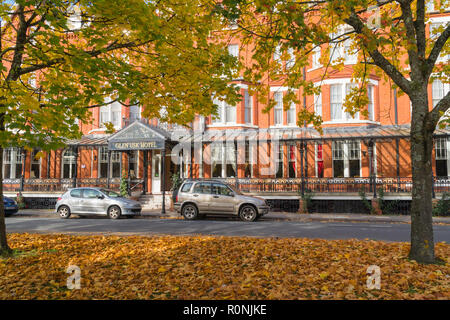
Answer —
(196, 198)
(84, 201)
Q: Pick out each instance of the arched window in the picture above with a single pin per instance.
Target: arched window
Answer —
(68, 164)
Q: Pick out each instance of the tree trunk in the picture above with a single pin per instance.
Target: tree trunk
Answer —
(422, 242)
(4, 248)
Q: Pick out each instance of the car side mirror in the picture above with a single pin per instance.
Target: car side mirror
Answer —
(100, 196)
(232, 194)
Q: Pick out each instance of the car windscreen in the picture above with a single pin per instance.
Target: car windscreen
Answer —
(110, 193)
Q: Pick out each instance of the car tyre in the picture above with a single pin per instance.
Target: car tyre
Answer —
(114, 212)
(190, 212)
(248, 213)
(64, 212)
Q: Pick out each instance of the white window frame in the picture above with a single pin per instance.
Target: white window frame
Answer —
(316, 53)
(248, 105)
(318, 104)
(107, 114)
(371, 104)
(33, 161)
(291, 115)
(342, 49)
(70, 160)
(223, 113)
(345, 155)
(443, 144)
(278, 119)
(15, 158)
(116, 157)
(225, 157)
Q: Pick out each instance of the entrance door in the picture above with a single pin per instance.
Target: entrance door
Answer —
(156, 171)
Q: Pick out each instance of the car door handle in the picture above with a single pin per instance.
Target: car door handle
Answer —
(195, 195)
(215, 196)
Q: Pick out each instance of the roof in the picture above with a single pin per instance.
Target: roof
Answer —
(282, 134)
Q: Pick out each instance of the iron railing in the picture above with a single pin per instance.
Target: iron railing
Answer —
(248, 185)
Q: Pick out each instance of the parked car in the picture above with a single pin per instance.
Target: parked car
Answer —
(10, 206)
(84, 201)
(197, 198)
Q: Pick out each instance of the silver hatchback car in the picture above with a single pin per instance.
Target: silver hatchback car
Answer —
(196, 198)
(84, 201)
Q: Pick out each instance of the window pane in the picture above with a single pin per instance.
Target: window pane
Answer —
(230, 113)
(186, 187)
(338, 168)
(441, 168)
(35, 170)
(90, 193)
(75, 193)
(115, 170)
(336, 102)
(354, 168)
(202, 188)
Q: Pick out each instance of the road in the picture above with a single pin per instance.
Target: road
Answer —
(223, 227)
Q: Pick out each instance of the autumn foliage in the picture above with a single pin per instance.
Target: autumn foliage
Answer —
(202, 267)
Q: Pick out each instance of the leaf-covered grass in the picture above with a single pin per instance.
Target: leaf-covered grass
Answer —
(203, 267)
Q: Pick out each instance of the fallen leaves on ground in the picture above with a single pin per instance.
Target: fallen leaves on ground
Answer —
(206, 267)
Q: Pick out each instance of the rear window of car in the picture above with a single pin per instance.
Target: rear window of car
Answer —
(75, 193)
(186, 187)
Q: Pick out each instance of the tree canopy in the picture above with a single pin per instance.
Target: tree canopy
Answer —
(61, 58)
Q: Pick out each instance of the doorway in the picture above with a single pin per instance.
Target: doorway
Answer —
(156, 171)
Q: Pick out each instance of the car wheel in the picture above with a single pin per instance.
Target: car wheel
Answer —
(114, 212)
(190, 212)
(64, 212)
(248, 213)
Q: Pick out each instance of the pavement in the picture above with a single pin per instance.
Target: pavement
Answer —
(274, 216)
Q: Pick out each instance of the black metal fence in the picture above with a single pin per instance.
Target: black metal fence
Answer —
(333, 185)
(249, 185)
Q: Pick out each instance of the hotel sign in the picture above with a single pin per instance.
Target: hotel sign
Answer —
(136, 136)
(136, 145)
